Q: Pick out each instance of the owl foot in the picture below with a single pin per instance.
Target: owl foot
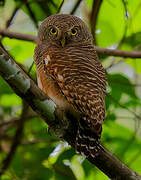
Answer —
(61, 122)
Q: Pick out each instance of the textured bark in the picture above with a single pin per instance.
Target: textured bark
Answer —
(46, 108)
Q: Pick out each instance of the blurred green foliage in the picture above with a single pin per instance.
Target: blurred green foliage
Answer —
(42, 156)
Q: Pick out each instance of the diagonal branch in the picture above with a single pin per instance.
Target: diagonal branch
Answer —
(102, 51)
(76, 6)
(27, 90)
(31, 13)
(59, 9)
(8, 23)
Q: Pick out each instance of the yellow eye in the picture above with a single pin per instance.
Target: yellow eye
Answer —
(74, 32)
(53, 31)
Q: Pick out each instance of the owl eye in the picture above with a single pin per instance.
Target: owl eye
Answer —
(53, 31)
(74, 31)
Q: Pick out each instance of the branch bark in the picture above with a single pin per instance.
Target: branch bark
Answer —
(46, 108)
(102, 51)
(94, 16)
(16, 35)
(116, 52)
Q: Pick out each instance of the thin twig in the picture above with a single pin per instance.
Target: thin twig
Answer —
(113, 64)
(8, 23)
(124, 107)
(75, 7)
(126, 23)
(116, 52)
(94, 15)
(16, 35)
(59, 9)
(30, 68)
(31, 14)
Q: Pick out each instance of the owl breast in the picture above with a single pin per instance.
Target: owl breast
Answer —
(76, 77)
(45, 82)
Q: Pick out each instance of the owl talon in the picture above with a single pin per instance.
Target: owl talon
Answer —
(63, 121)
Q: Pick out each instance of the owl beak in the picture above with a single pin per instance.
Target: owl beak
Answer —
(63, 41)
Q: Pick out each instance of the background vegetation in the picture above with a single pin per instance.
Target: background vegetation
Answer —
(39, 155)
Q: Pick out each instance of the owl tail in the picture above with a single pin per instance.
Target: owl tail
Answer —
(87, 144)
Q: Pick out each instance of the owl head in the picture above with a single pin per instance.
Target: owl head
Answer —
(64, 30)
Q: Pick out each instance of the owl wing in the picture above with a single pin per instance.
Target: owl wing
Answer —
(82, 81)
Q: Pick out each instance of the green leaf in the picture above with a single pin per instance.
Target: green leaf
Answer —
(119, 85)
(41, 10)
(20, 50)
(77, 168)
(110, 23)
(10, 100)
(4, 87)
(135, 63)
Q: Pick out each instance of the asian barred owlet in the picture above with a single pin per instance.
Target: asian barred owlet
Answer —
(70, 73)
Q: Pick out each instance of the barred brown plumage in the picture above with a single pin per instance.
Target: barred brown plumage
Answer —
(70, 73)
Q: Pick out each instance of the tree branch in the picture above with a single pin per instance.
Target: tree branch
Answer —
(27, 4)
(8, 23)
(76, 6)
(28, 90)
(102, 51)
(116, 52)
(16, 35)
(59, 9)
(94, 15)
(124, 107)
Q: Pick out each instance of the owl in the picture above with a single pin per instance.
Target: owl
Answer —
(70, 73)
